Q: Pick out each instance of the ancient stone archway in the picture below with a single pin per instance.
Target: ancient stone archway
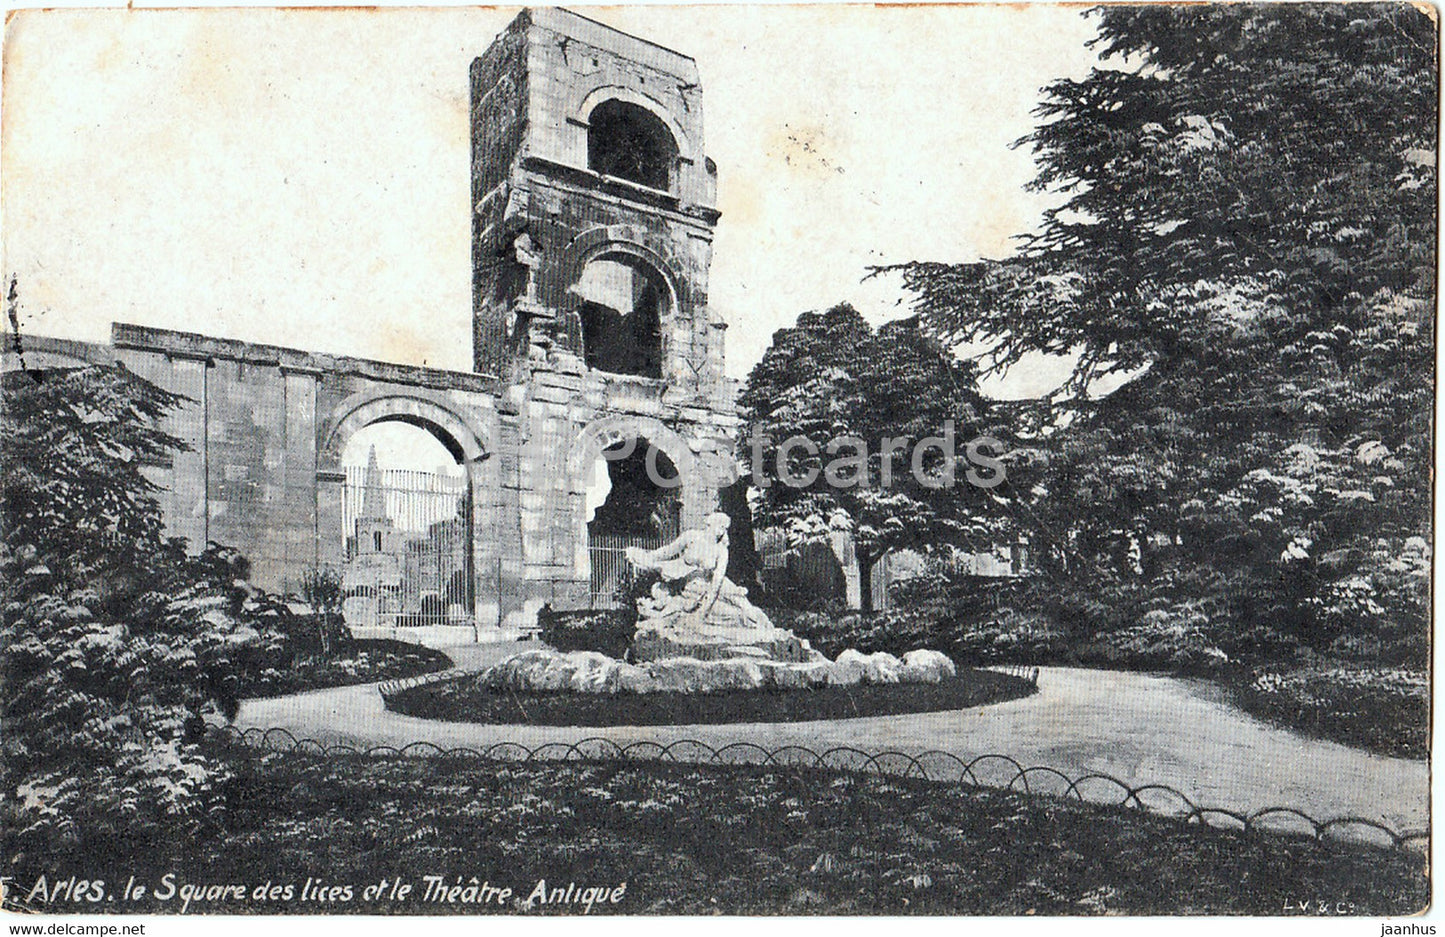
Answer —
(610, 94)
(623, 304)
(431, 571)
(625, 298)
(454, 431)
(629, 141)
(608, 431)
(623, 240)
(645, 464)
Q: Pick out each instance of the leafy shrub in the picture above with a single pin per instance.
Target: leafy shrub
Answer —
(102, 713)
(1010, 637)
(896, 631)
(964, 598)
(292, 647)
(364, 660)
(113, 643)
(1385, 710)
(605, 630)
(1168, 639)
(1378, 613)
(322, 589)
(934, 583)
(976, 621)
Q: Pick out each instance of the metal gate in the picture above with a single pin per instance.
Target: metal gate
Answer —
(611, 574)
(408, 548)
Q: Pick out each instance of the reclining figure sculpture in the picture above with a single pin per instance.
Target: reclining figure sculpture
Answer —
(695, 610)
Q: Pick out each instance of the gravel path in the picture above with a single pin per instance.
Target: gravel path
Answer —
(1140, 728)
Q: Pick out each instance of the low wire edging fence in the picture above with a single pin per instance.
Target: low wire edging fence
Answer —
(983, 771)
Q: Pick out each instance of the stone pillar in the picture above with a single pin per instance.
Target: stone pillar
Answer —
(699, 489)
(300, 547)
(330, 538)
(549, 508)
(506, 564)
(487, 536)
(189, 497)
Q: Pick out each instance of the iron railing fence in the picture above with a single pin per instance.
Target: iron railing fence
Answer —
(408, 548)
(610, 568)
(993, 771)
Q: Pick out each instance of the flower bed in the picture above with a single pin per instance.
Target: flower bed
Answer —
(365, 660)
(472, 699)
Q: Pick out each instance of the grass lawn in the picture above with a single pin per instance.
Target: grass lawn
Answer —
(690, 839)
(464, 700)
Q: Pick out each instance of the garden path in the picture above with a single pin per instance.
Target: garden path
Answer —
(1140, 728)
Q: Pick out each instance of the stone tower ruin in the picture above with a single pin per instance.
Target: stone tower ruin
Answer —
(587, 147)
(593, 206)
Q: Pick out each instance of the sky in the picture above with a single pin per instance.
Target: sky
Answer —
(300, 177)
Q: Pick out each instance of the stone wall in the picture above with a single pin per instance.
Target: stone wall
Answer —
(530, 173)
(266, 428)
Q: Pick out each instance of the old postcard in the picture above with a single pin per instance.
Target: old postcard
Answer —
(757, 460)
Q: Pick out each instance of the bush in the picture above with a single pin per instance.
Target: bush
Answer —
(1168, 639)
(322, 589)
(113, 643)
(1380, 613)
(359, 661)
(102, 713)
(896, 631)
(604, 630)
(975, 622)
(1008, 637)
(1384, 710)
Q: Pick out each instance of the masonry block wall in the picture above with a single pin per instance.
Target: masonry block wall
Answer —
(533, 93)
(266, 428)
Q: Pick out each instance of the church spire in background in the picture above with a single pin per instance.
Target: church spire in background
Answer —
(373, 498)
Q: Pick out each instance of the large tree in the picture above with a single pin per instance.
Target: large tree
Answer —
(1246, 238)
(112, 642)
(846, 387)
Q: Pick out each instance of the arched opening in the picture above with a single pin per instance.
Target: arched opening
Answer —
(633, 500)
(630, 142)
(406, 528)
(622, 301)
